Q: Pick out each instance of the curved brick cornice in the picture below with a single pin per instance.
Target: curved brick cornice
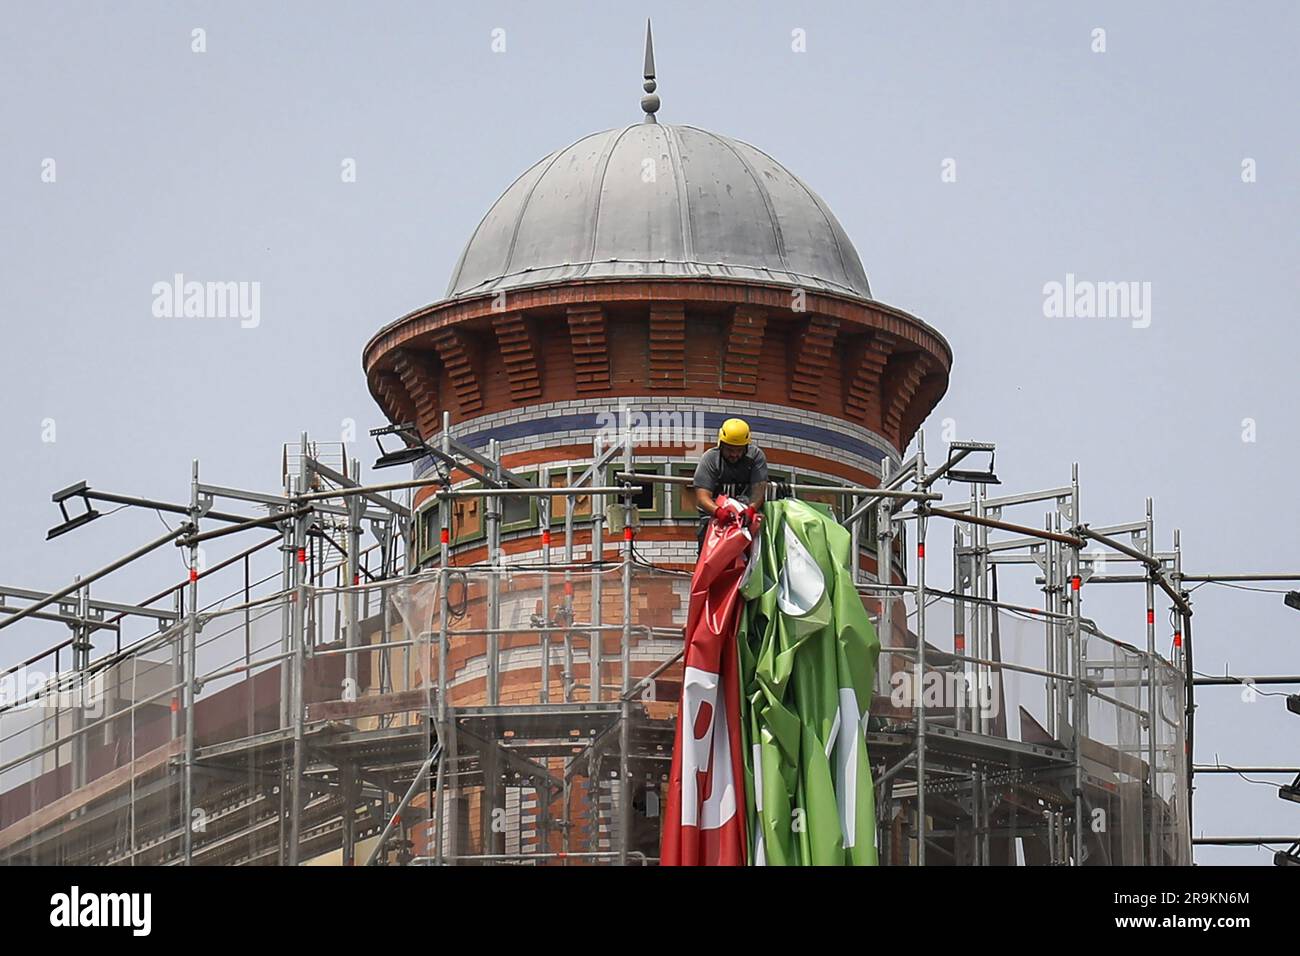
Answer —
(422, 320)
(862, 362)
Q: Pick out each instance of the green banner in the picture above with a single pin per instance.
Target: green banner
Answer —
(808, 655)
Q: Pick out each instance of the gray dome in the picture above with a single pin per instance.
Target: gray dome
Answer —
(657, 200)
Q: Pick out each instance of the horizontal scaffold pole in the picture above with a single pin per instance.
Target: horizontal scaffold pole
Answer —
(94, 576)
(1072, 540)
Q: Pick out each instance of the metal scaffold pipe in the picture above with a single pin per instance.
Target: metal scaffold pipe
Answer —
(276, 518)
(190, 669)
(395, 819)
(1153, 565)
(625, 668)
(544, 516)
(444, 799)
(493, 517)
(88, 579)
(352, 607)
(1073, 541)
(861, 491)
(1287, 771)
(594, 667)
(885, 576)
(918, 701)
(1080, 708)
(1227, 680)
(300, 636)
(1148, 545)
(446, 492)
(570, 504)
(1277, 576)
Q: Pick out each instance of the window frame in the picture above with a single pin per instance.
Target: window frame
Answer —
(557, 516)
(426, 520)
(458, 539)
(650, 468)
(681, 469)
(534, 513)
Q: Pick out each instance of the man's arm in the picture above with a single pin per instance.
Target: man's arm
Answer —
(758, 481)
(704, 501)
(705, 482)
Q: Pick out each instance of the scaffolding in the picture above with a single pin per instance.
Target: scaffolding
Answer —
(364, 709)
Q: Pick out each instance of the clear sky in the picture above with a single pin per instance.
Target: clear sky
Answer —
(1115, 166)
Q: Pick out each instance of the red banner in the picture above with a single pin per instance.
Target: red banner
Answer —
(704, 818)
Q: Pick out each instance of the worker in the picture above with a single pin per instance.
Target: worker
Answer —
(736, 468)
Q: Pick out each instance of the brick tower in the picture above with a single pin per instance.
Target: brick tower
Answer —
(665, 277)
(679, 275)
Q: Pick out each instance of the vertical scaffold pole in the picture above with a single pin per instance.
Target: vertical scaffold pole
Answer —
(918, 691)
(544, 514)
(959, 624)
(625, 667)
(1183, 659)
(1148, 548)
(1049, 627)
(494, 509)
(177, 642)
(983, 674)
(545, 795)
(885, 554)
(1180, 647)
(980, 637)
(81, 648)
(448, 801)
(287, 559)
(1056, 587)
(300, 637)
(885, 575)
(855, 541)
(570, 502)
(597, 557)
(1064, 659)
(191, 646)
(355, 505)
(444, 536)
(1080, 704)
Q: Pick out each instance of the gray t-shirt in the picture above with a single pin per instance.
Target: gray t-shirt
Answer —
(718, 476)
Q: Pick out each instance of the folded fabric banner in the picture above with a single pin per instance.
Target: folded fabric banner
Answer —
(705, 815)
(808, 656)
(770, 764)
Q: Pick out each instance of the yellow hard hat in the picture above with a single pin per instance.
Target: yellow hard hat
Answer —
(734, 431)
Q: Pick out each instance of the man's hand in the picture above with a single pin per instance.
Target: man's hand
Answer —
(750, 517)
(725, 516)
(704, 501)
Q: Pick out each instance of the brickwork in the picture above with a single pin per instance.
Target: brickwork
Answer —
(590, 348)
(416, 379)
(519, 353)
(744, 344)
(668, 347)
(459, 354)
(707, 340)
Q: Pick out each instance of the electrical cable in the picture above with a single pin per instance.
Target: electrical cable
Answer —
(1244, 683)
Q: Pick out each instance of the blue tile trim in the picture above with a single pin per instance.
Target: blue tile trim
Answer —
(712, 420)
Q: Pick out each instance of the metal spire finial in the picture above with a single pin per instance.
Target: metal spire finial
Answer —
(649, 102)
